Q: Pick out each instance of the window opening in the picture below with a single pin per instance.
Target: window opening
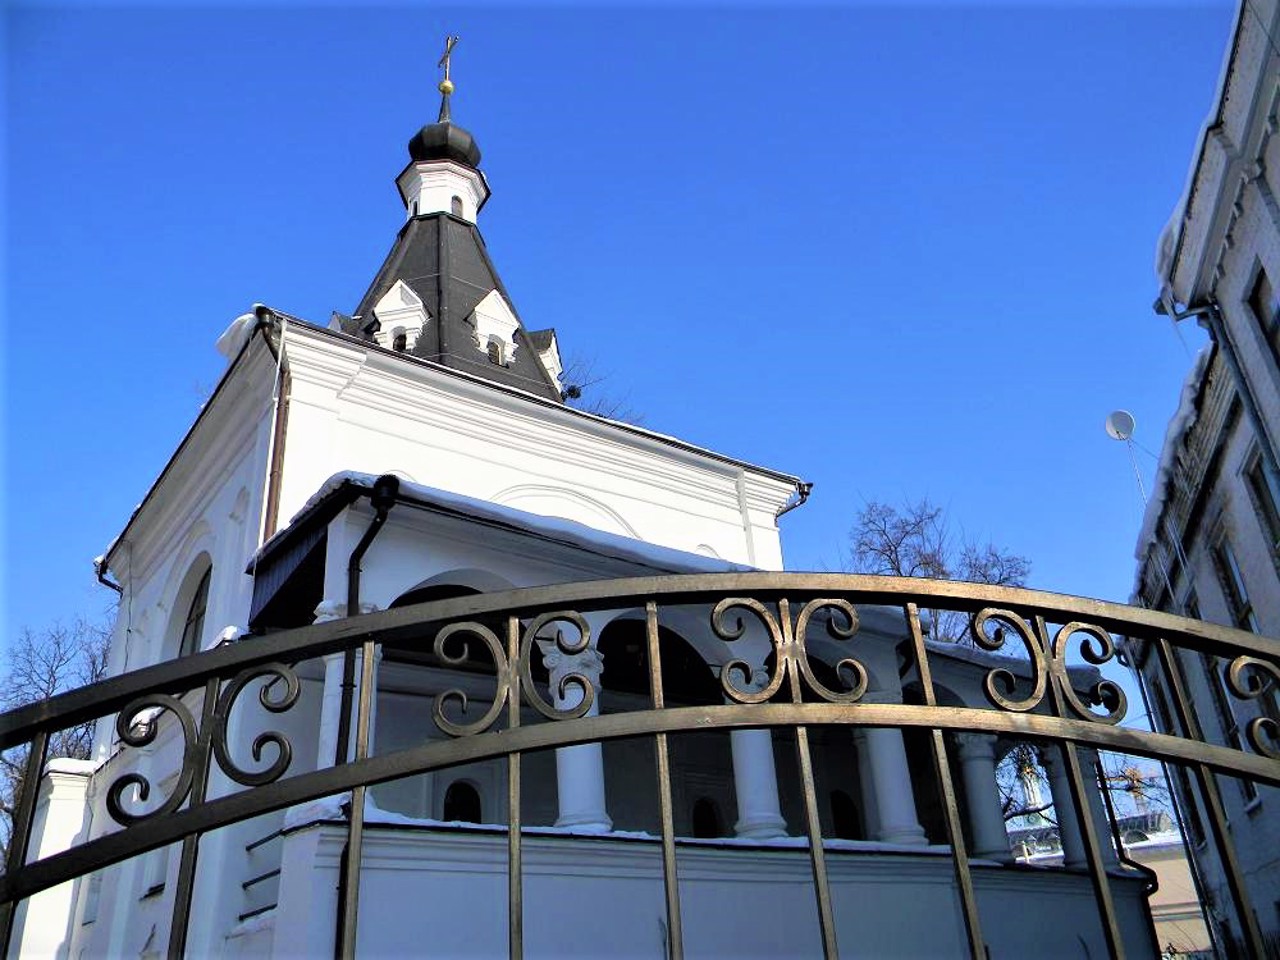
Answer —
(1264, 490)
(495, 352)
(1266, 311)
(1233, 588)
(193, 629)
(706, 819)
(456, 206)
(462, 803)
(400, 341)
(844, 816)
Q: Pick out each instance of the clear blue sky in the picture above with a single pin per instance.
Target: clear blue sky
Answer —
(899, 251)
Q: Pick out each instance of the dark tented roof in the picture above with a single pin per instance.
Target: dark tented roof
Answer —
(442, 259)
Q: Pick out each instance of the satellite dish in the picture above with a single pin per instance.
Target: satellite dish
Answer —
(1120, 425)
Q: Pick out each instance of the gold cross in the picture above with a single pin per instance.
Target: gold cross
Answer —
(449, 43)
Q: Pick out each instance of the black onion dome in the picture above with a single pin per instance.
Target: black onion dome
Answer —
(445, 141)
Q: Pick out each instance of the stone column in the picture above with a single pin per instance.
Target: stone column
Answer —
(1097, 809)
(331, 700)
(1073, 852)
(895, 799)
(580, 768)
(986, 817)
(755, 779)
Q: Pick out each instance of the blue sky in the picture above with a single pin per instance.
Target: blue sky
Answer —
(901, 251)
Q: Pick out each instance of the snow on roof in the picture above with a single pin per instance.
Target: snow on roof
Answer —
(567, 532)
(1183, 419)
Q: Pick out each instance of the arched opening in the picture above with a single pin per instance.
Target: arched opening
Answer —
(701, 762)
(707, 822)
(186, 630)
(455, 205)
(399, 340)
(495, 352)
(462, 803)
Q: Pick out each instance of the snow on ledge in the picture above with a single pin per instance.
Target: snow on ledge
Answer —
(1183, 420)
(567, 532)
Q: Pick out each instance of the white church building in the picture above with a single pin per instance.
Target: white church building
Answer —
(413, 658)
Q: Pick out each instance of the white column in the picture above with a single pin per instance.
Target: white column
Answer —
(870, 812)
(1097, 809)
(1073, 853)
(755, 780)
(580, 768)
(331, 700)
(891, 781)
(986, 817)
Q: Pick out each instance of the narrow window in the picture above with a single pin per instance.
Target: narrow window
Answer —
(456, 206)
(706, 819)
(495, 352)
(415, 208)
(1193, 825)
(1233, 587)
(1226, 717)
(399, 341)
(193, 628)
(1266, 311)
(462, 803)
(1265, 493)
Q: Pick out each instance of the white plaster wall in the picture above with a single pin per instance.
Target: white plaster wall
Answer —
(356, 409)
(444, 892)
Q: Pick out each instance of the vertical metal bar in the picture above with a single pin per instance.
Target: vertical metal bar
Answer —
(1208, 787)
(670, 879)
(817, 855)
(1093, 850)
(792, 649)
(515, 863)
(20, 836)
(955, 831)
(180, 918)
(1084, 813)
(351, 855)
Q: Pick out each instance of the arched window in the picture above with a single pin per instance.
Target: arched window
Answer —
(495, 352)
(456, 206)
(706, 819)
(461, 803)
(193, 626)
(399, 340)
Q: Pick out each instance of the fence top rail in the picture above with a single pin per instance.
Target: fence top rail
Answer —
(290, 646)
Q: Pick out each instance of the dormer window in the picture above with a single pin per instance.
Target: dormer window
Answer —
(399, 340)
(496, 352)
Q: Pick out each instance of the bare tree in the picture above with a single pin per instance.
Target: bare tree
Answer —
(39, 665)
(580, 377)
(917, 540)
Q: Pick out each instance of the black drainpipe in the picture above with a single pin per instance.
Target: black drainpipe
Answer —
(382, 499)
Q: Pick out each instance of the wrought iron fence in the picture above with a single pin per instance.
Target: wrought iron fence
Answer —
(509, 638)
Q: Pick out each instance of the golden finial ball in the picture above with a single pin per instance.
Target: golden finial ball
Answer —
(446, 87)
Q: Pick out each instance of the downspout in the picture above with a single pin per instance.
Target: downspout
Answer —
(1209, 315)
(382, 498)
(803, 489)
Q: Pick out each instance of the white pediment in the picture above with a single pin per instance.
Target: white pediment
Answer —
(496, 323)
(400, 311)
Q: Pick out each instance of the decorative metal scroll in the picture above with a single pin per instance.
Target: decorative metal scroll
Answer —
(139, 723)
(1047, 662)
(791, 656)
